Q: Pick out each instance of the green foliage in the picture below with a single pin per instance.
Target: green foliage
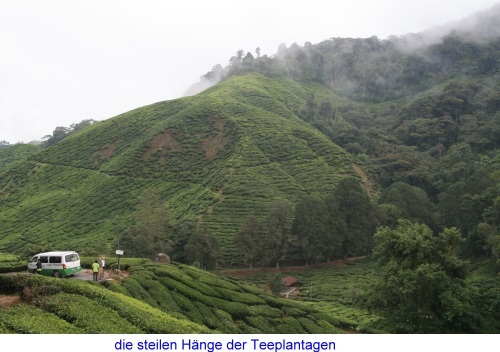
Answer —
(149, 234)
(202, 247)
(334, 291)
(126, 312)
(280, 213)
(62, 132)
(419, 128)
(213, 301)
(88, 315)
(250, 239)
(310, 227)
(216, 157)
(275, 283)
(411, 202)
(422, 286)
(10, 155)
(11, 263)
(351, 218)
(25, 319)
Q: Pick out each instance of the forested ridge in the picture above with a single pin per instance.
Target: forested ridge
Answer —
(425, 119)
(349, 147)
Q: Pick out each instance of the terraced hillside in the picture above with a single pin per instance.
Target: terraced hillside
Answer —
(214, 157)
(17, 153)
(155, 298)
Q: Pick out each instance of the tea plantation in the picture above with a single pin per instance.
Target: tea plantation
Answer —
(212, 158)
(154, 298)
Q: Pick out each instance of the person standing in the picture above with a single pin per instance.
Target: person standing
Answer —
(38, 266)
(102, 264)
(95, 270)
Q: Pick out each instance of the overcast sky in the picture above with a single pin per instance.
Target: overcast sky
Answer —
(65, 61)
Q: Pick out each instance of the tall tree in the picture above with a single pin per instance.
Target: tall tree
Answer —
(202, 247)
(422, 286)
(280, 212)
(357, 213)
(309, 226)
(149, 234)
(249, 239)
(411, 201)
(336, 228)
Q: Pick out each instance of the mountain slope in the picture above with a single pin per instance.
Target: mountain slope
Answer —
(12, 154)
(215, 157)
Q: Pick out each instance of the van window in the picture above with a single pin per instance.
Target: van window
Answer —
(44, 259)
(55, 260)
(71, 257)
(34, 259)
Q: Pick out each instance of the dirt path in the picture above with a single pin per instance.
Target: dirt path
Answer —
(86, 275)
(7, 301)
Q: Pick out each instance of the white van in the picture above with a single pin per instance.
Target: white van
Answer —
(57, 264)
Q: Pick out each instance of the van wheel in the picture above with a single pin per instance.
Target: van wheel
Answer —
(56, 274)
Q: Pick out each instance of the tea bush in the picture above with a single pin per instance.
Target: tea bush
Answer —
(88, 315)
(26, 319)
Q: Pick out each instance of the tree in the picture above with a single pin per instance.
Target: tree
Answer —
(62, 132)
(411, 201)
(81, 125)
(355, 215)
(309, 226)
(58, 135)
(422, 286)
(249, 239)
(202, 248)
(275, 283)
(280, 212)
(336, 228)
(257, 52)
(149, 234)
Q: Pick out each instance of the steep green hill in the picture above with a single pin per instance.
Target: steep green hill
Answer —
(215, 157)
(155, 298)
(10, 155)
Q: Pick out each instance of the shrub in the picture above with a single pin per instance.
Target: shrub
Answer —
(115, 287)
(162, 296)
(24, 319)
(242, 297)
(188, 308)
(246, 329)
(137, 291)
(227, 323)
(211, 319)
(88, 315)
(290, 325)
(260, 323)
(235, 309)
(310, 326)
(265, 311)
(187, 291)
